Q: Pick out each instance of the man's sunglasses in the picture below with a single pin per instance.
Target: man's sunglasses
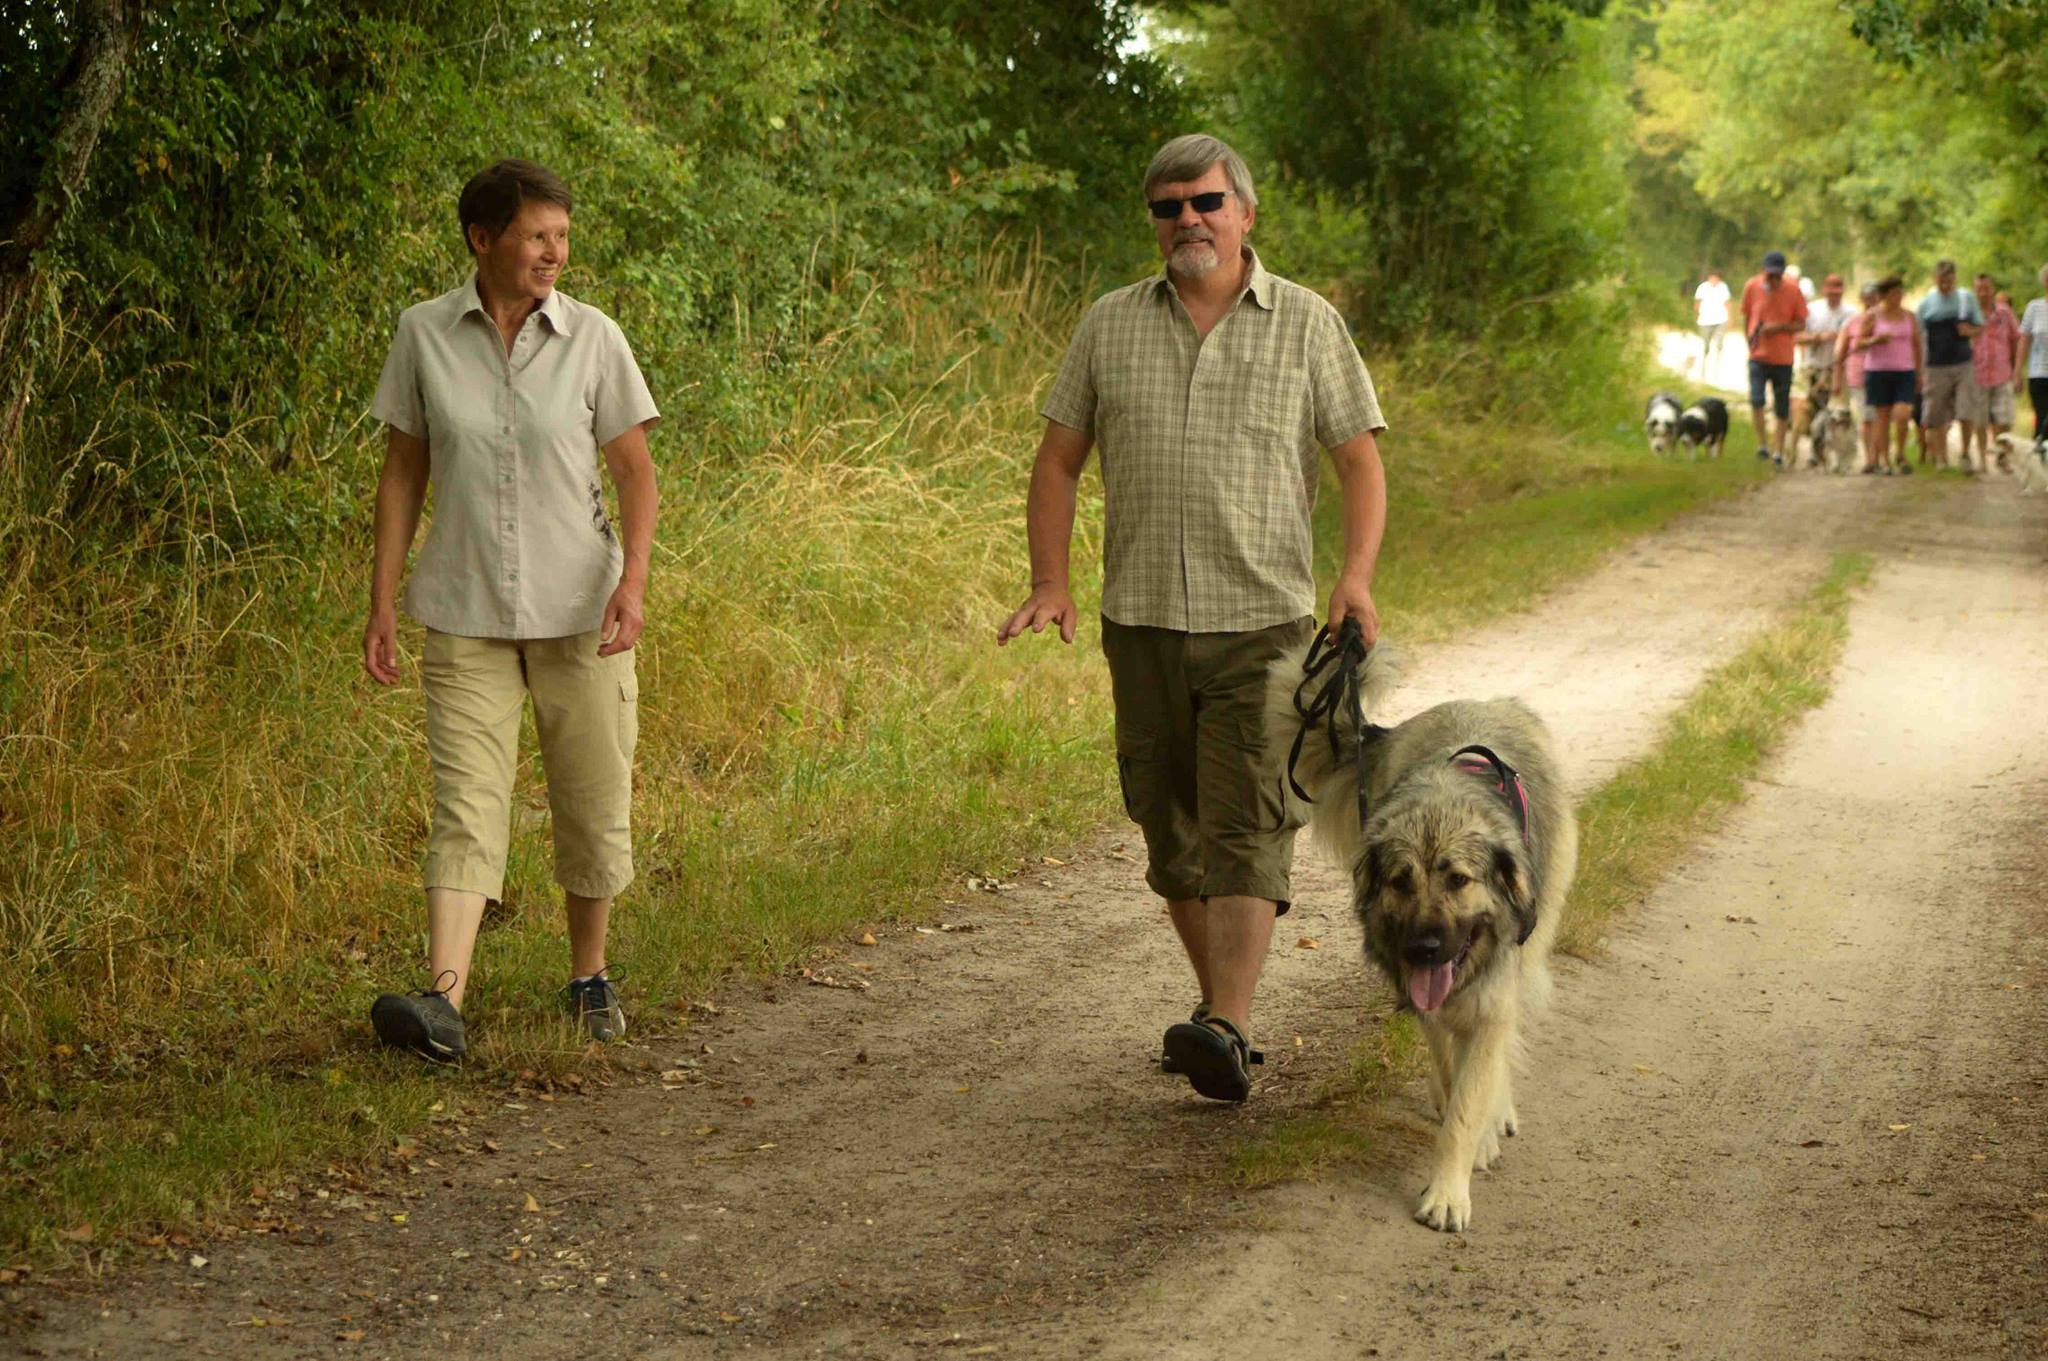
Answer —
(1166, 209)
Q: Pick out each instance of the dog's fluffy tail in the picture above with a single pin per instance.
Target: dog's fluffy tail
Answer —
(1329, 776)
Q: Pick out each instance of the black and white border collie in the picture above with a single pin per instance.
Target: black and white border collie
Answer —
(1703, 427)
(1660, 423)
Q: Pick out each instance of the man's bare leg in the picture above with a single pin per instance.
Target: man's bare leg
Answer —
(1238, 933)
(1191, 920)
(1763, 431)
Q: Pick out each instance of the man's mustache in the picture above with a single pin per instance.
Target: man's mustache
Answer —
(1188, 235)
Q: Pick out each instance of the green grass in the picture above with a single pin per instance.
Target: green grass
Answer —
(210, 822)
(1632, 830)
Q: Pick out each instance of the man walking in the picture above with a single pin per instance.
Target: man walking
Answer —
(1209, 388)
(1773, 314)
(1824, 323)
(1994, 356)
(1949, 317)
(1710, 314)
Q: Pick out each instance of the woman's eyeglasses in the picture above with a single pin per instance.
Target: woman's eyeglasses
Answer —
(1166, 209)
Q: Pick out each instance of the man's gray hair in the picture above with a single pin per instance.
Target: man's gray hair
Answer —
(1944, 266)
(1189, 157)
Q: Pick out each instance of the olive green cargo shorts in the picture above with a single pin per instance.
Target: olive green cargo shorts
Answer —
(586, 711)
(1202, 762)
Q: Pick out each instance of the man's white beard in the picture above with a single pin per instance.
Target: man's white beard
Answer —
(1193, 259)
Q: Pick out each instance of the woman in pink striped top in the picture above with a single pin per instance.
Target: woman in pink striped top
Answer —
(1889, 339)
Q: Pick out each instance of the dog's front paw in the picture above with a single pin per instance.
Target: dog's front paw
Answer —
(1447, 1205)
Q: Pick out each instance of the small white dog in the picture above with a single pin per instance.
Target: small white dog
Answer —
(2030, 462)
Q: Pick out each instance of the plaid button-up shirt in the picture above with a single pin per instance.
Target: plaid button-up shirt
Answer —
(520, 545)
(1211, 447)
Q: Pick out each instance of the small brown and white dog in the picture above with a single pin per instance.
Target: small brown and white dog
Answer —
(1458, 876)
(1836, 441)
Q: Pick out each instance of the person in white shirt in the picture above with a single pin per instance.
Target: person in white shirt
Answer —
(2033, 357)
(1710, 314)
(1816, 356)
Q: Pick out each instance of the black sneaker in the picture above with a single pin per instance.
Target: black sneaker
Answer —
(594, 1002)
(1763, 455)
(424, 1022)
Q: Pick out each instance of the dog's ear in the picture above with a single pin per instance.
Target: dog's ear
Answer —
(1511, 882)
(1368, 877)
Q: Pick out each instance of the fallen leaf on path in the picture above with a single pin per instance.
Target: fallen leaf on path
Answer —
(493, 1146)
(1813, 1143)
(962, 1091)
(81, 1234)
(515, 1254)
(1898, 1129)
(825, 980)
(703, 1130)
(1644, 1068)
(867, 938)
(532, 1206)
(1050, 860)
(197, 1261)
(352, 1335)
(398, 1219)
(1748, 921)
(10, 1274)
(1308, 943)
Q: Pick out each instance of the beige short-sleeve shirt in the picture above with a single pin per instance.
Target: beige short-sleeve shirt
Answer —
(1211, 447)
(520, 544)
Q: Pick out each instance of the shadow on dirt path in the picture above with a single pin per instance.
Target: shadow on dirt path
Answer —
(956, 1140)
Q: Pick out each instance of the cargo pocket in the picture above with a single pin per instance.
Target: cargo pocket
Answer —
(1138, 775)
(629, 710)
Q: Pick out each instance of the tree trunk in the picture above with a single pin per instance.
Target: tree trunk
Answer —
(89, 88)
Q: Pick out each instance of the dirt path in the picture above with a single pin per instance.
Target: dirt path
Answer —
(972, 1154)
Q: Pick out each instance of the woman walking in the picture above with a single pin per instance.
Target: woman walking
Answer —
(1889, 339)
(2033, 356)
(502, 393)
(1849, 363)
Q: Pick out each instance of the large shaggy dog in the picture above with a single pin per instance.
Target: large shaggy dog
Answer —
(1459, 876)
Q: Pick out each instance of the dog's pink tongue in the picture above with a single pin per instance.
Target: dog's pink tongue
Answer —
(1427, 988)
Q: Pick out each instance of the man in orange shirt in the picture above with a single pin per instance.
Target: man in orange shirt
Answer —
(1773, 312)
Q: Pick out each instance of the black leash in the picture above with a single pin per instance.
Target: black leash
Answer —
(1335, 673)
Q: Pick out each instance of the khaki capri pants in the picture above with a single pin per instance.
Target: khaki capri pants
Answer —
(586, 709)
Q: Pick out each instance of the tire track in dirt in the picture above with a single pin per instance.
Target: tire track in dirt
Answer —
(972, 1151)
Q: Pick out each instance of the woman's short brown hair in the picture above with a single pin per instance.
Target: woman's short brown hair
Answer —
(1888, 283)
(492, 197)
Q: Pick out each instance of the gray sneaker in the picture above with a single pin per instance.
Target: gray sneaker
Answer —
(424, 1023)
(594, 1002)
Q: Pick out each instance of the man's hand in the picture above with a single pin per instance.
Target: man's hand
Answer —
(1048, 604)
(622, 619)
(380, 645)
(1353, 600)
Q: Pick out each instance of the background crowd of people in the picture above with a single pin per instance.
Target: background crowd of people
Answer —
(1906, 374)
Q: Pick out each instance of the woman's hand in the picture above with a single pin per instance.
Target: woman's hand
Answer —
(622, 620)
(380, 645)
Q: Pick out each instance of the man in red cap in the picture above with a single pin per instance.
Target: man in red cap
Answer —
(1773, 315)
